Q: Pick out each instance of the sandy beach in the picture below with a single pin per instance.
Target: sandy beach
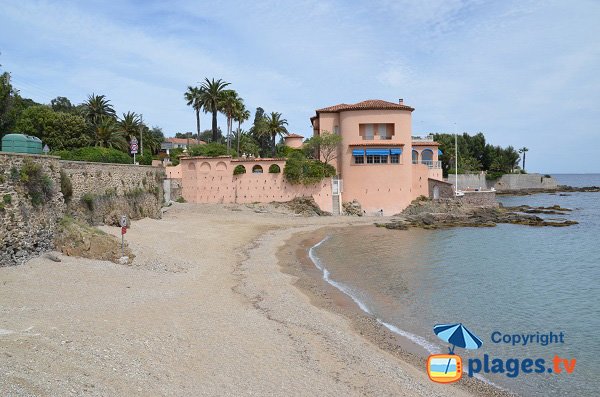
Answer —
(215, 303)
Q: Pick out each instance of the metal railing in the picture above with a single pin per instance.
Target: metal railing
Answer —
(429, 163)
(427, 138)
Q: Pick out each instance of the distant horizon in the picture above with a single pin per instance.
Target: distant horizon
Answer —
(522, 72)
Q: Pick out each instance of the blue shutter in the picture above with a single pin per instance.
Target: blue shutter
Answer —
(396, 151)
(378, 152)
(358, 152)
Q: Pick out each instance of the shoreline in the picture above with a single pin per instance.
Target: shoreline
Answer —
(321, 292)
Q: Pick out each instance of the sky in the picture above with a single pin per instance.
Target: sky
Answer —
(525, 73)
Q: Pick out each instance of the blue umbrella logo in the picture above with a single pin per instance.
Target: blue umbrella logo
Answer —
(457, 335)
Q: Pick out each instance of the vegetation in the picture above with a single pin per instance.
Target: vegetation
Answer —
(300, 169)
(95, 154)
(523, 151)
(475, 155)
(324, 146)
(212, 149)
(66, 187)
(39, 186)
(239, 169)
(274, 169)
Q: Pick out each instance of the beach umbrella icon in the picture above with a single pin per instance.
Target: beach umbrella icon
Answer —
(457, 335)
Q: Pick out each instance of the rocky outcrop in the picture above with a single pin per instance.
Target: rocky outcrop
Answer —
(435, 215)
(352, 208)
(306, 206)
(559, 189)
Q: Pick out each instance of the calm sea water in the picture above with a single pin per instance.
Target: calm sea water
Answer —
(511, 279)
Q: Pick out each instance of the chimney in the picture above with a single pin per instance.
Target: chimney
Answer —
(401, 101)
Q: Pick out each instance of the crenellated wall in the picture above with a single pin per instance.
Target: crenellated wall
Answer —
(212, 180)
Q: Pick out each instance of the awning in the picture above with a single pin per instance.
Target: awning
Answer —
(396, 151)
(358, 152)
(378, 152)
(440, 152)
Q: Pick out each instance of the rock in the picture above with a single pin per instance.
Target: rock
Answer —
(352, 208)
(305, 206)
(53, 257)
(123, 260)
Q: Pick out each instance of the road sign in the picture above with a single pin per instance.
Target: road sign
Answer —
(123, 221)
(46, 149)
(133, 145)
(123, 230)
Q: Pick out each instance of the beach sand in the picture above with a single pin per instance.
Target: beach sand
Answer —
(205, 309)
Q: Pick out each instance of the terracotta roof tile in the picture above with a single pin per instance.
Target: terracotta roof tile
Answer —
(425, 143)
(376, 143)
(184, 141)
(371, 104)
(293, 136)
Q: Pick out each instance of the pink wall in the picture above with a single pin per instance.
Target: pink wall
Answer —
(211, 180)
(173, 171)
(293, 141)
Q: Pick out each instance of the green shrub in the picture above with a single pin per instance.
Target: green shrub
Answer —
(37, 183)
(239, 169)
(96, 155)
(274, 169)
(145, 159)
(212, 149)
(7, 199)
(2, 179)
(299, 169)
(492, 175)
(14, 174)
(180, 200)
(88, 200)
(66, 187)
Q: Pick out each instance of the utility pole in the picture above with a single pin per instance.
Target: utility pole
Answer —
(141, 134)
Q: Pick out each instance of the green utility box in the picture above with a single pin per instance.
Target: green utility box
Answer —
(19, 143)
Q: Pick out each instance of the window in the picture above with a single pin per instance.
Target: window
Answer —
(369, 132)
(395, 159)
(376, 159)
(383, 135)
(336, 130)
(359, 159)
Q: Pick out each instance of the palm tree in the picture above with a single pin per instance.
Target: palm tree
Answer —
(211, 98)
(240, 115)
(193, 97)
(129, 125)
(97, 106)
(274, 125)
(108, 135)
(523, 151)
(228, 106)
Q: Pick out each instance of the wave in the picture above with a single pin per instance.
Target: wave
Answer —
(430, 347)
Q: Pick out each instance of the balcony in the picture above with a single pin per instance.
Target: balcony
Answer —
(429, 163)
(428, 138)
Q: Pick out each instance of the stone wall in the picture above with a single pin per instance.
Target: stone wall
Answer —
(505, 182)
(27, 229)
(525, 182)
(444, 189)
(101, 193)
(173, 189)
(484, 199)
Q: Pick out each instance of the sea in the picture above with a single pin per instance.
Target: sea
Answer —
(498, 282)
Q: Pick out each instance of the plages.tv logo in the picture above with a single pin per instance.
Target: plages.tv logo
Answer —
(448, 368)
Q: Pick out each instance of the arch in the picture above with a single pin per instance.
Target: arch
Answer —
(221, 166)
(205, 167)
(274, 169)
(415, 156)
(192, 166)
(257, 169)
(239, 169)
(427, 155)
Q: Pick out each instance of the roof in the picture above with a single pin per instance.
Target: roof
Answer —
(184, 141)
(371, 104)
(376, 143)
(293, 136)
(425, 143)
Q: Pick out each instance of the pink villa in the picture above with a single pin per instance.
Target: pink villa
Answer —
(379, 164)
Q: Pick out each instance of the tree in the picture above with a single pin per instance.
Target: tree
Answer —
(325, 146)
(241, 114)
(108, 135)
(274, 125)
(61, 104)
(523, 151)
(228, 105)
(98, 107)
(129, 125)
(58, 130)
(153, 138)
(193, 96)
(211, 98)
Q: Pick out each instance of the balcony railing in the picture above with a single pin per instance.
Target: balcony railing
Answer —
(427, 138)
(429, 163)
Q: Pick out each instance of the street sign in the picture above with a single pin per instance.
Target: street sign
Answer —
(133, 145)
(123, 221)
(46, 149)
(123, 230)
